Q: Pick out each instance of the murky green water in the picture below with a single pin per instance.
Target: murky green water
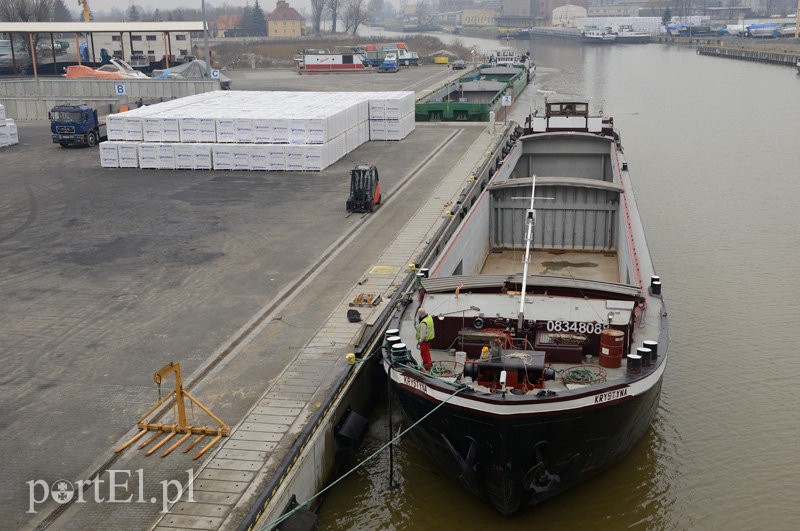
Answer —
(713, 151)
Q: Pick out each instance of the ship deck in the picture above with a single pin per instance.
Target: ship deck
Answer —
(589, 265)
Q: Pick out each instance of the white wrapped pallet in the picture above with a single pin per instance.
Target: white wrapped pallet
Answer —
(202, 156)
(170, 130)
(115, 127)
(377, 109)
(259, 157)
(262, 131)
(226, 130)
(151, 129)
(295, 158)
(315, 157)
(377, 129)
(189, 129)
(148, 156)
(207, 130)
(133, 128)
(316, 130)
(109, 156)
(222, 156)
(280, 131)
(241, 156)
(184, 156)
(244, 131)
(277, 157)
(128, 154)
(297, 131)
(166, 156)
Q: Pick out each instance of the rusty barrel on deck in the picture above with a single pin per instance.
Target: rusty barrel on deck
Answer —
(612, 343)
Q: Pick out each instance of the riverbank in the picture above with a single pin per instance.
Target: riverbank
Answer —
(267, 53)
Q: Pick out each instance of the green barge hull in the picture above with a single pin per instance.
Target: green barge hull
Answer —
(471, 98)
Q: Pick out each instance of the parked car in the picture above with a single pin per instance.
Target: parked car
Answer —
(459, 64)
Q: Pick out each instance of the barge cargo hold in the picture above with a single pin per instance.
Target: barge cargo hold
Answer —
(473, 97)
(547, 331)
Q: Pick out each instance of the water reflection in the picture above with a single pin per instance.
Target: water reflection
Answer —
(712, 147)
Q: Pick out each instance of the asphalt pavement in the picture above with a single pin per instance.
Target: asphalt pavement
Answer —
(106, 275)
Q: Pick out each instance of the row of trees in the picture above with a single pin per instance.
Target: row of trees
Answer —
(352, 13)
(34, 11)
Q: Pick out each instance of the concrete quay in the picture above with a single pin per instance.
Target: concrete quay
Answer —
(110, 274)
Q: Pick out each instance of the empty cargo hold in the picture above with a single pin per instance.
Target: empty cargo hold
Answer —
(256, 131)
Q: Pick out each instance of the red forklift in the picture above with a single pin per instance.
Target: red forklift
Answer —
(365, 189)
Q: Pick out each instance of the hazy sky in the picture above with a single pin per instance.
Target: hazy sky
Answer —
(267, 5)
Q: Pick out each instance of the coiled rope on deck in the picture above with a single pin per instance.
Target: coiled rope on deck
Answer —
(271, 525)
(583, 375)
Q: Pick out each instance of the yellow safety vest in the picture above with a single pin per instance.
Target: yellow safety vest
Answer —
(430, 333)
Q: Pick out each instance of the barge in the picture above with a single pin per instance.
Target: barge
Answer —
(547, 331)
(341, 59)
(474, 96)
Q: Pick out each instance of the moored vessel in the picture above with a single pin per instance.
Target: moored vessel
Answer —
(627, 35)
(592, 35)
(474, 96)
(345, 59)
(550, 335)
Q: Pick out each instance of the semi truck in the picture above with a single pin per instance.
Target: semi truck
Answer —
(76, 125)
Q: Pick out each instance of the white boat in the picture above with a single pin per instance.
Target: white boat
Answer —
(336, 60)
(628, 35)
(511, 57)
(115, 69)
(594, 35)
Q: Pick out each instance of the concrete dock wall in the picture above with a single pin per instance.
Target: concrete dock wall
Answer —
(30, 99)
(789, 59)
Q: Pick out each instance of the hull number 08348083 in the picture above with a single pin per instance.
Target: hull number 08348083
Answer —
(580, 328)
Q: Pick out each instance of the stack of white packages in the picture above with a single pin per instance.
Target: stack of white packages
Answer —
(391, 115)
(8, 129)
(265, 131)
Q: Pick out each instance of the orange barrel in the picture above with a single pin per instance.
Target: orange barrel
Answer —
(612, 343)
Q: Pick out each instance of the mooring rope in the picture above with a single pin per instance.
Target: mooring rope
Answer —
(365, 461)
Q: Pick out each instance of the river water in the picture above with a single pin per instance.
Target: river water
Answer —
(713, 149)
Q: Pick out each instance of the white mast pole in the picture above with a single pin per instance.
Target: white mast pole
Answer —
(530, 221)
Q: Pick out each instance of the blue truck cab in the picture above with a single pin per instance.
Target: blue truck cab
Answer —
(389, 63)
(76, 125)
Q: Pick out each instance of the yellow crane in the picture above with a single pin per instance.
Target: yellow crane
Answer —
(85, 5)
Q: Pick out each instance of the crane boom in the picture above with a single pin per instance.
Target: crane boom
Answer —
(85, 4)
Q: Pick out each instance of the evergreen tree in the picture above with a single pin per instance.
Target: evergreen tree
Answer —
(666, 17)
(157, 15)
(134, 13)
(246, 22)
(259, 20)
(61, 13)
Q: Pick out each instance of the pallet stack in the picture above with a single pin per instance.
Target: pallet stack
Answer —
(8, 129)
(243, 130)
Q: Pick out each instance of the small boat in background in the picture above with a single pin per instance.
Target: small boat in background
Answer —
(115, 69)
(627, 35)
(594, 35)
(345, 59)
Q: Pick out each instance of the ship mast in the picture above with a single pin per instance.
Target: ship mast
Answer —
(530, 221)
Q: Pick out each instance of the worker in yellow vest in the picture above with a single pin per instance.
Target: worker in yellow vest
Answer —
(425, 333)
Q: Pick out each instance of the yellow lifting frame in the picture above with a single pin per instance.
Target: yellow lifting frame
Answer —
(177, 396)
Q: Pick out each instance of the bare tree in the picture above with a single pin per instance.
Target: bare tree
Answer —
(333, 7)
(355, 14)
(26, 10)
(317, 8)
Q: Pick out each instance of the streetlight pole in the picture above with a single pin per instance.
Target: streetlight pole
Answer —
(205, 39)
